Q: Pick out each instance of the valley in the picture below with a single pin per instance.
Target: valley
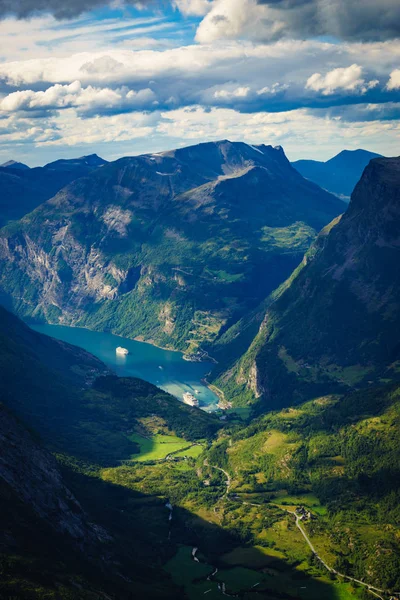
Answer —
(293, 493)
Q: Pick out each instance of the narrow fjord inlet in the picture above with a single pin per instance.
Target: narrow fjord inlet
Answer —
(200, 300)
(163, 368)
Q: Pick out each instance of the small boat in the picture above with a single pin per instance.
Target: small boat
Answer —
(121, 351)
(189, 399)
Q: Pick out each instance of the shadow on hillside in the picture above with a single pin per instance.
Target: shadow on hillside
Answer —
(146, 538)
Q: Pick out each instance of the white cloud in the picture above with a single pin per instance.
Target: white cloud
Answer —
(273, 89)
(262, 65)
(228, 19)
(240, 92)
(268, 20)
(347, 78)
(394, 81)
(197, 8)
(87, 99)
(43, 37)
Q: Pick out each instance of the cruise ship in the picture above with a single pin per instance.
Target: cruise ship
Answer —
(122, 351)
(188, 398)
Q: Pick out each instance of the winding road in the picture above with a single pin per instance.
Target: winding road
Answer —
(228, 480)
(372, 589)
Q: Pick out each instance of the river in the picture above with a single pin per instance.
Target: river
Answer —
(163, 368)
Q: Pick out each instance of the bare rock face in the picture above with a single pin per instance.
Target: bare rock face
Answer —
(33, 474)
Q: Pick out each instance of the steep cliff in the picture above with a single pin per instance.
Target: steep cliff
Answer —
(334, 324)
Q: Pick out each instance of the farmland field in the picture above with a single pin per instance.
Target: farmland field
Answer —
(157, 446)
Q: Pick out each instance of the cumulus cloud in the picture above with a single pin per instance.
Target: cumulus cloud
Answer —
(394, 81)
(271, 90)
(269, 20)
(227, 19)
(368, 20)
(247, 77)
(266, 20)
(61, 10)
(240, 92)
(193, 7)
(349, 79)
(85, 100)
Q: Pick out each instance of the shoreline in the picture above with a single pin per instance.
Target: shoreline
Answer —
(222, 403)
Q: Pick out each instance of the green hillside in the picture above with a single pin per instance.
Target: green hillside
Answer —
(339, 459)
(333, 325)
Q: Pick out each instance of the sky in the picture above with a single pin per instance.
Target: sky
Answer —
(121, 78)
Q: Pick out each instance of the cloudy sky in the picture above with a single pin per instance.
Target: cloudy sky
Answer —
(121, 78)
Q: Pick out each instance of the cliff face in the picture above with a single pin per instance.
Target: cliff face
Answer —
(33, 475)
(334, 325)
(171, 247)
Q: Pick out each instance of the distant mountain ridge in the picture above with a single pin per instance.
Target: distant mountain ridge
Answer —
(23, 189)
(333, 325)
(340, 174)
(171, 247)
(13, 164)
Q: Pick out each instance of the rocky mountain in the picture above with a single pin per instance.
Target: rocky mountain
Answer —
(333, 325)
(14, 164)
(22, 189)
(340, 174)
(172, 247)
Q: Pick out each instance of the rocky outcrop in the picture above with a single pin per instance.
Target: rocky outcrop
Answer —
(33, 475)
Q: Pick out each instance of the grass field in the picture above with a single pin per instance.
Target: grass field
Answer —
(192, 452)
(157, 446)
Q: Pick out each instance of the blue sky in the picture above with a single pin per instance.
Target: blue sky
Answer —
(122, 79)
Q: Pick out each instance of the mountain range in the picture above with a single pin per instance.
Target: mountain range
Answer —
(171, 248)
(22, 189)
(111, 487)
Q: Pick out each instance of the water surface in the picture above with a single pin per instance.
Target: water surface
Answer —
(163, 368)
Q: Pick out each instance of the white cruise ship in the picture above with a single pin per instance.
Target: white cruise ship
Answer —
(121, 351)
(188, 398)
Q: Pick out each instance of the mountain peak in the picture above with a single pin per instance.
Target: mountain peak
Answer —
(358, 157)
(14, 164)
(339, 174)
(93, 160)
(377, 195)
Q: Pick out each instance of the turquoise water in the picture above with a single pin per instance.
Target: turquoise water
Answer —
(163, 368)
